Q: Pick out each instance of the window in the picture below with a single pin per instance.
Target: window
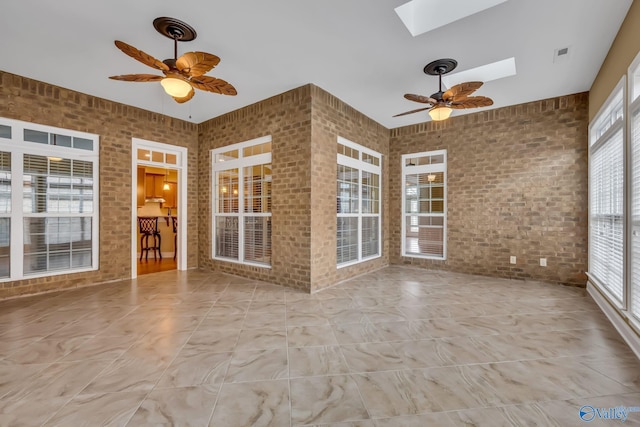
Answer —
(634, 138)
(424, 204)
(48, 200)
(242, 202)
(358, 203)
(606, 196)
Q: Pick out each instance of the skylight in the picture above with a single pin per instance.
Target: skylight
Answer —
(420, 16)
(484, 73)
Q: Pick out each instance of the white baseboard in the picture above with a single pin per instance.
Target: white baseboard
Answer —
(617, 319)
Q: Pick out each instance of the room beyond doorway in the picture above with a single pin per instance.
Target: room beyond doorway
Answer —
(157, 215)
(158, 239)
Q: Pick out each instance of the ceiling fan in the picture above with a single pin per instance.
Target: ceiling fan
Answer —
(183, 74)
(443, 103)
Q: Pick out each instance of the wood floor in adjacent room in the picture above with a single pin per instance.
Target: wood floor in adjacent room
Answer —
(398, 347)
(155, 265)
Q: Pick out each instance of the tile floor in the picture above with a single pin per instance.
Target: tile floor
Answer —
(399, 347)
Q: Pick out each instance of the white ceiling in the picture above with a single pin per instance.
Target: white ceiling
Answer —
(358, 50)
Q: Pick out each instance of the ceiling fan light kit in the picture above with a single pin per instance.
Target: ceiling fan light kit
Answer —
(442, 103)
(175, 87)
(440, 113)
(181, 74)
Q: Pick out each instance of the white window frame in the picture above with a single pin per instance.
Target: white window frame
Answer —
(18, 147)
(597, 138)
(362, 166)
(423, 169)
(181, 166)
(620, 313)
(240, 163)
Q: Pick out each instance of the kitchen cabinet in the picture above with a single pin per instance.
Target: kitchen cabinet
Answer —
(153, 186)
(170, 196)
(140, 193)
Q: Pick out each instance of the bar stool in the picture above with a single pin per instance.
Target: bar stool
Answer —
(149, 228)
(174, 221)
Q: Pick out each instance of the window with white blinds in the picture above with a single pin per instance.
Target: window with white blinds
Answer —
(634, 138)
(607, 213)
(48, 200)
(242, 202)
(606, 197)
(424, 219)
(358, 203)
(5, 212)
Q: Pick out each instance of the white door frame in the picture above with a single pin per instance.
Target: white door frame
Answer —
(181, 166)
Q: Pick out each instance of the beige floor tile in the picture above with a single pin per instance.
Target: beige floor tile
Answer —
(314, 361)
(371, 357)
(252, 404)
(328, 399)
(392, 394)
(29, 412)
(187, 407)
(427, 420)
(258, 365)
(260, 339)
(305, 336)
(108, 410)
(194, 368)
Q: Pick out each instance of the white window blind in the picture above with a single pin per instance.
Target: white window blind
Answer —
(5, 213)
(358, 233)
(242, 202)
(635, 214)
(607, 214)
(634, 138)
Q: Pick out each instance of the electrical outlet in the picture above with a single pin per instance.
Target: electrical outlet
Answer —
(512, 259)
(543, 262)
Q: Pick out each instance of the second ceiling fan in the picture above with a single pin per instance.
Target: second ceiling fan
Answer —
(441, 104)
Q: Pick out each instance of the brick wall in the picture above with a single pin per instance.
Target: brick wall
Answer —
(332, 118)
(287, 118)
(517, 181)
(517, 185)
(32, 101)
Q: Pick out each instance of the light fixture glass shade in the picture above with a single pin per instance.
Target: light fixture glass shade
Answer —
(175, 87)
(440, 113)
(166, 186)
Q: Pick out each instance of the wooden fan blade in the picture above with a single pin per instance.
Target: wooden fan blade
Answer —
(458, 92)
(212, 84)
(196, 63)
(138, 78)
(185, 98)
(420, 98)
(412, 111)
(472, 102)
(139, 55)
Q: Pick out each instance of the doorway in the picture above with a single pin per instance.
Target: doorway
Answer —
(159, 209)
